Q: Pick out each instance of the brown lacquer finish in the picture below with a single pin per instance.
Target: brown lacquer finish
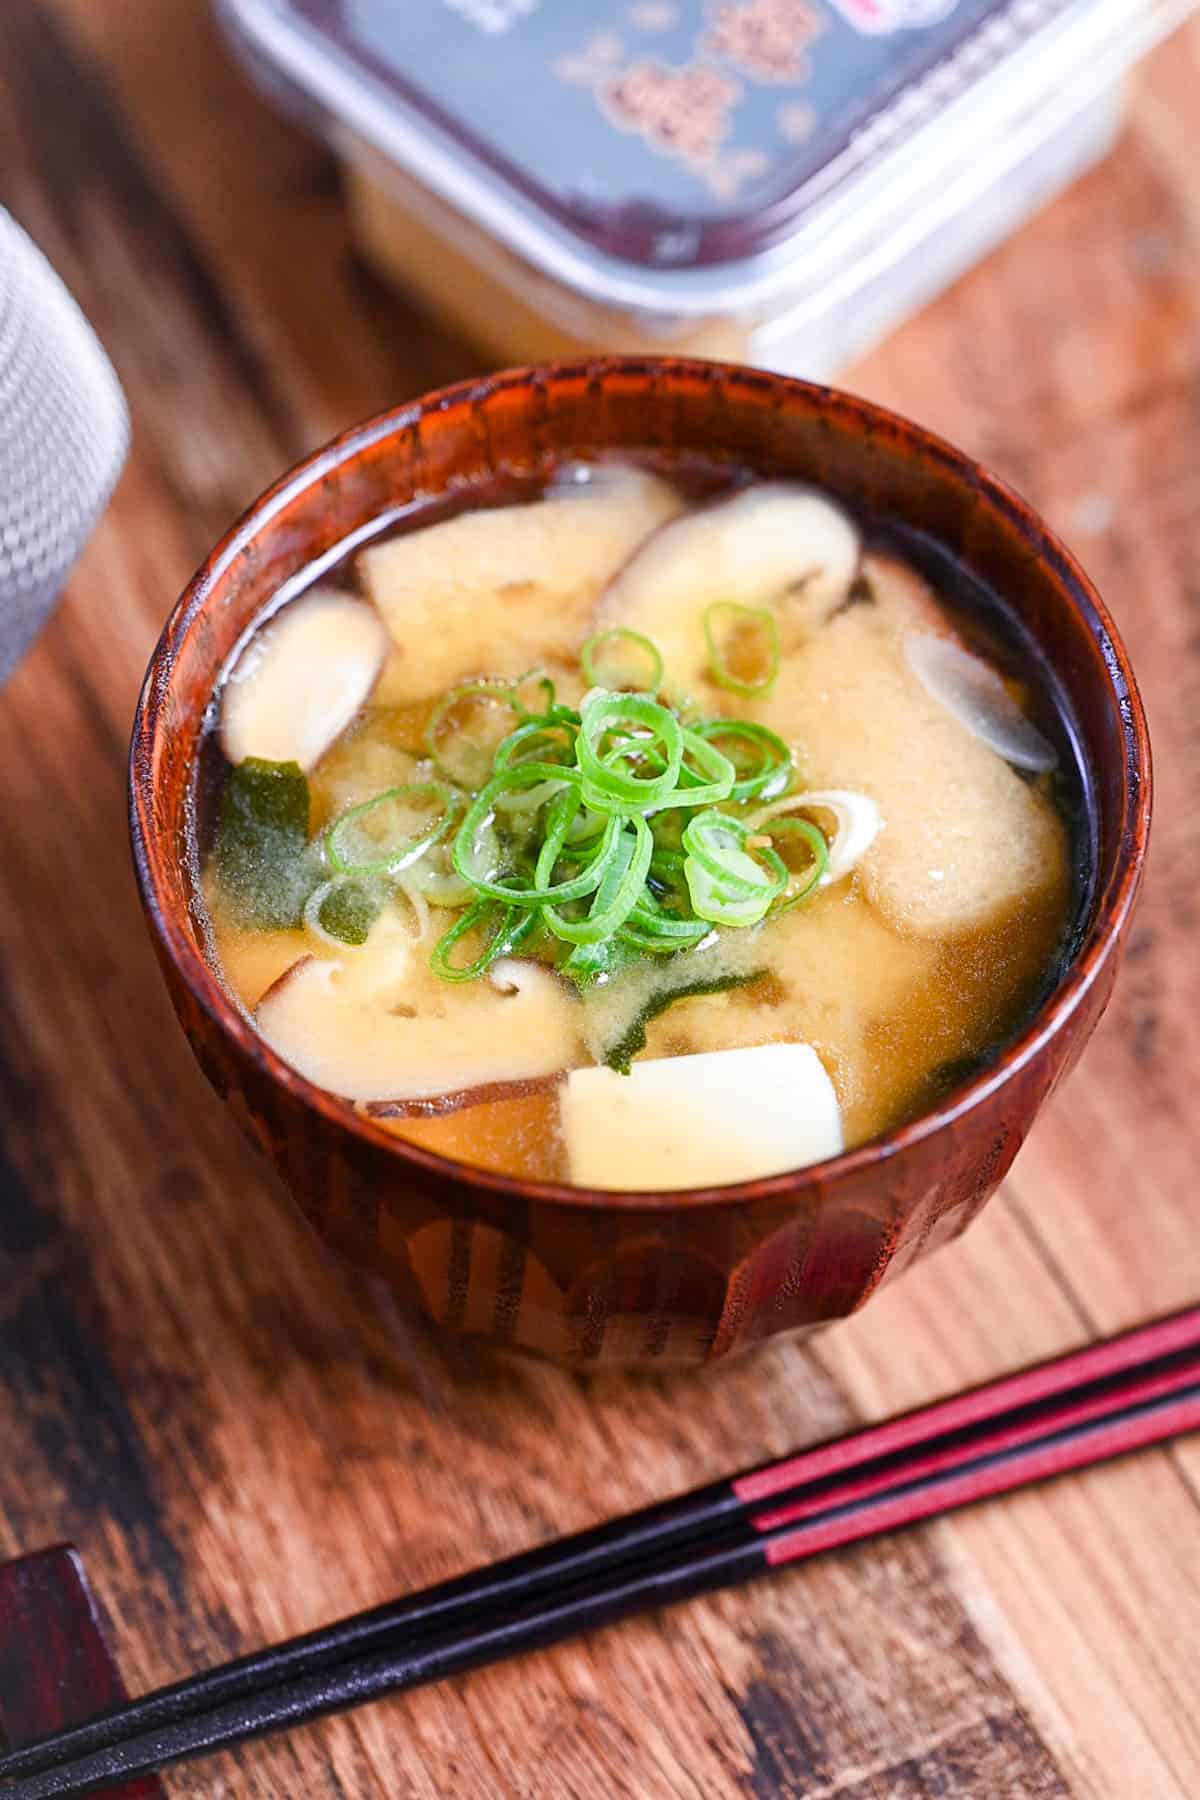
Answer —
(586, 1277)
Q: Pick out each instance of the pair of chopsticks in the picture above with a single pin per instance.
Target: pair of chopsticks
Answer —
(1096, 1403)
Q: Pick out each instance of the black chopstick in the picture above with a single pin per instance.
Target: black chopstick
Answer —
(1015, 1407)
(686, 1571)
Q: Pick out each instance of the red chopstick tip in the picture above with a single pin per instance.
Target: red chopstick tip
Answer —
(1035, 1462)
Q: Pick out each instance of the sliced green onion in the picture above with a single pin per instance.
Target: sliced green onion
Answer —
(715, 779)
(768, 769)
(371, 840)
(857, 823)
(616, 896)
(545, 741)
(721, 905)
(665, 879)
(652, 943)
(438, 880)
(463, 756)
(529, 800)
(551, 710)
(586, 964)
(607, 785)
(475, 835)
(659, 932)
(728, 885)
(512, 926)
(419, 904)
(558, 836)
(726, 622)
(559, 819)
(587, 824)
(635, 755)
(562, 813)
(811, 876)
(620, 658)
(545, 705)
(716, 841)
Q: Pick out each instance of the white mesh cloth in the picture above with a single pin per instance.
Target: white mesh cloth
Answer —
(64, 431)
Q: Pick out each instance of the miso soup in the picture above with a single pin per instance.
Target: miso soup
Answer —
(647, 830)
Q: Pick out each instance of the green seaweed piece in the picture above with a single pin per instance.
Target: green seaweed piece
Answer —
(263, 859)
(633, 1039)
(349, 911)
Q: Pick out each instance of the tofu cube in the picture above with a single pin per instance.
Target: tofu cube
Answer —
(700, 1121)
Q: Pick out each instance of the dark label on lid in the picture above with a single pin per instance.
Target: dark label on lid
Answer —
(675, 132)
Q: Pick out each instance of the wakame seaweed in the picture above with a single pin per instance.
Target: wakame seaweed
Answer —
(349, 911)
(261, 851)
(265, 863)
(633, 1040)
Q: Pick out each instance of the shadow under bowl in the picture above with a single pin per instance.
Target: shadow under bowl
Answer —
(586, 1277)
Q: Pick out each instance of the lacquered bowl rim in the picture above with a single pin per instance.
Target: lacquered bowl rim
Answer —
(1111, 907)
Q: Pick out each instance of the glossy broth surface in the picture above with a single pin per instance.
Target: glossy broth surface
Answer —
(888, 678)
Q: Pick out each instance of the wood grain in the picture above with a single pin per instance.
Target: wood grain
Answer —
(245, 1446)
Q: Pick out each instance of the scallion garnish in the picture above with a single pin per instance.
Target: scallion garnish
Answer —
(481, 859)
(629, 749)
(621, 882)
(503, 929)
(706, 775)
(543, 740)
(559, 819)
(588, 964)
(715, 902)
(810, 876)
(605, 833)
(661, 934)
(532, 705)
(761, 760)
(603, 824)
(729, 884)
(465, 727)
(620, 658)
(741, 641)
(384, 835)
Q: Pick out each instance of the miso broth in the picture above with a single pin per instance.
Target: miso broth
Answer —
(650, 830)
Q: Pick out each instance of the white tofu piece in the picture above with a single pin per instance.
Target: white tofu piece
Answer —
(699, 1121)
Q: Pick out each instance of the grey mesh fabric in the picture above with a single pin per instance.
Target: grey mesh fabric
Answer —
(64, 431)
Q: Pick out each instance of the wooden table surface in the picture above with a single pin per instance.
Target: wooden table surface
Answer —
(246, 1443)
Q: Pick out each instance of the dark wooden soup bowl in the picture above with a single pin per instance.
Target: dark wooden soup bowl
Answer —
(579, 1276)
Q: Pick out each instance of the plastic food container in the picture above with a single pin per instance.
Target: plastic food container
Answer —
(773, 181)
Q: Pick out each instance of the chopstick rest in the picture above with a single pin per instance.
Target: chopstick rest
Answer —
(55, 1665)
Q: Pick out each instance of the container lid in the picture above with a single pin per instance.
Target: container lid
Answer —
(675, 153)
